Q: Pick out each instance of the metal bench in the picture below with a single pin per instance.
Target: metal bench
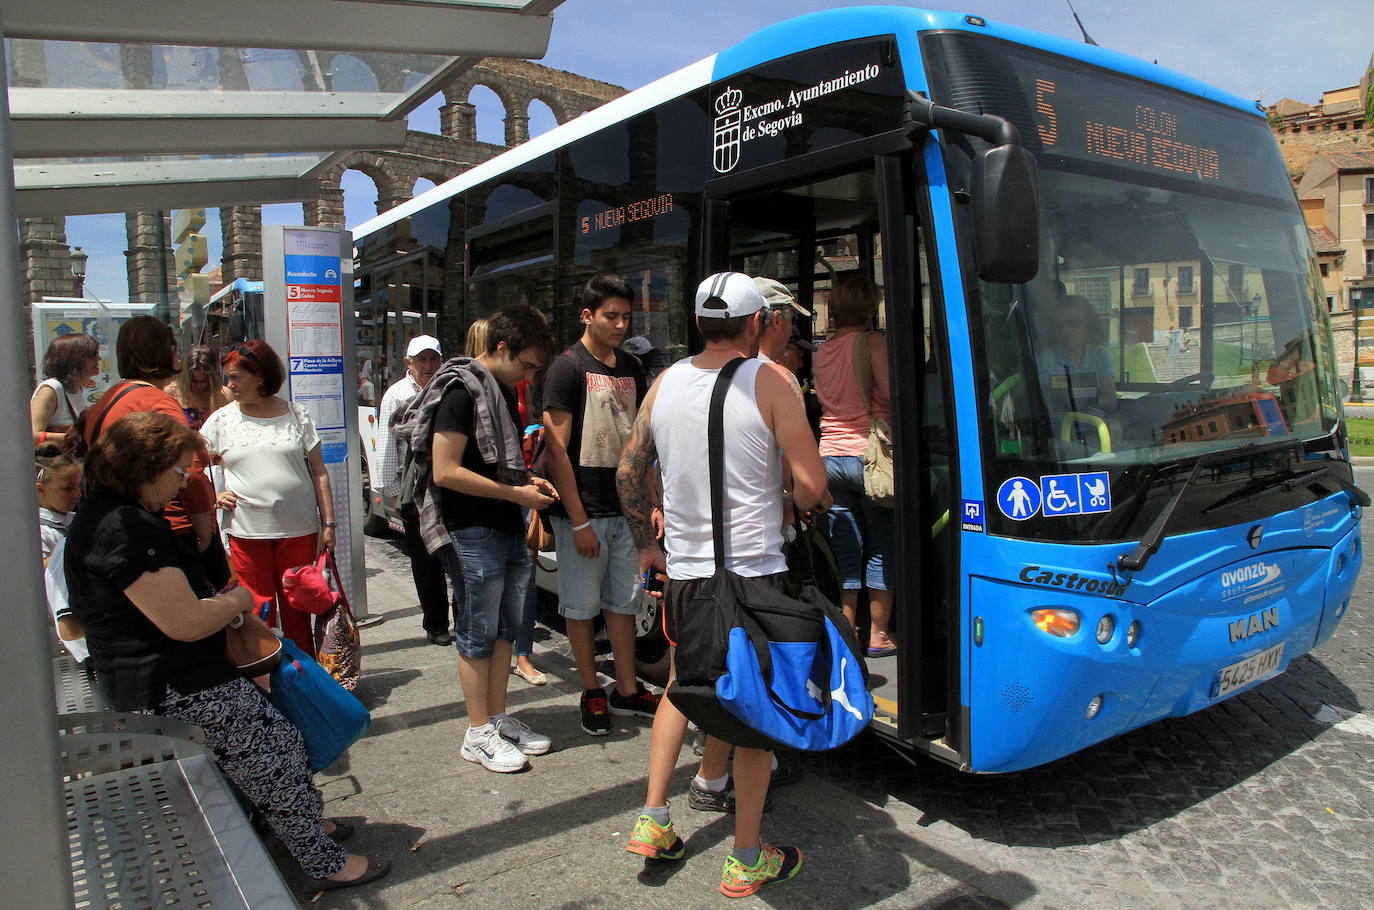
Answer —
(151, 821)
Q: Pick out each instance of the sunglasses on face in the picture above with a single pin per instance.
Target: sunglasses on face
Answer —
(183, 473)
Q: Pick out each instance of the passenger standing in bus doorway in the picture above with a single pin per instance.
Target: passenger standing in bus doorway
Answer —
(470, 516)
(859, 529)
(422, 360)
(780, 320)
(765, 423)
(591, 395)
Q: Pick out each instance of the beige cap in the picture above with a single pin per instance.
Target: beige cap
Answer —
(776, 294)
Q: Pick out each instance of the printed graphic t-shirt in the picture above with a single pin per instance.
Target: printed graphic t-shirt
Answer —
(603, 402)
(457, 414)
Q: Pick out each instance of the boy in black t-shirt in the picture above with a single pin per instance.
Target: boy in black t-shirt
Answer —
(487, 562)
(591, 395)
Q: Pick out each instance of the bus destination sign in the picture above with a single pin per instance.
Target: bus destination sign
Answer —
(1075, 114)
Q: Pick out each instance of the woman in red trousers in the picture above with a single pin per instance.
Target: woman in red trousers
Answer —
(281, 511)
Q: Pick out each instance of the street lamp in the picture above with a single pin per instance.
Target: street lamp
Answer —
(1254, 325)
(79, 270)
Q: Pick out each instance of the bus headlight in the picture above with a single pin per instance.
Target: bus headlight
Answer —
(1105, 627)
(1133, 634)
(1060, 623)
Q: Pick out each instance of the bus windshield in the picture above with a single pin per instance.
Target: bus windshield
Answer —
(1176, 310)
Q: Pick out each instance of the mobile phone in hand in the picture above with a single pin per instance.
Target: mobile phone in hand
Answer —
(652, 581)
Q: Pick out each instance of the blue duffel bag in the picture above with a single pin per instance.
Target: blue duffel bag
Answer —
(329, 716)
(755, 666)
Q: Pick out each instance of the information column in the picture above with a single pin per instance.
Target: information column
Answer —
(308, 310)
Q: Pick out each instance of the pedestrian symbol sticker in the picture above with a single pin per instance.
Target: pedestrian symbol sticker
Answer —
(1076, 494)
(1018, 498)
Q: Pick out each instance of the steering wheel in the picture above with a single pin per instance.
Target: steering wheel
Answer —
(1203, 379)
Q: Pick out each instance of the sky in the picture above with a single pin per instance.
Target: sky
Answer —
(1258, 49)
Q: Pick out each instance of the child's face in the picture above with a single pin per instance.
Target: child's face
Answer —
(61, 493)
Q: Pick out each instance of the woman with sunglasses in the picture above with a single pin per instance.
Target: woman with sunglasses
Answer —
(199, 388)
(281, 510)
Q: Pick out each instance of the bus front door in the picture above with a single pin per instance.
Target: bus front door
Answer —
(806, 234)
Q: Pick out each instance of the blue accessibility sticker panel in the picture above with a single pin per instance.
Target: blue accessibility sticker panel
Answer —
(973, 515)
(1018, 498)
(1076, 494)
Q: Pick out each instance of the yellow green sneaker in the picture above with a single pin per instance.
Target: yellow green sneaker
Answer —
(776, 864)
(655, 841)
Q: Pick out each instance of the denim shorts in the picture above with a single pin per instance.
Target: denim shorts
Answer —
(489, 571)
(609, 582)
(859, 529)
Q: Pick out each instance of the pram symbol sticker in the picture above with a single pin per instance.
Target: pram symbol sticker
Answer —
(728, 133)
(1018, 498)
(1076, 494)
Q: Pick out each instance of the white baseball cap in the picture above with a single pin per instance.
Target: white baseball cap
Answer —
(422, 343)
(726, 295)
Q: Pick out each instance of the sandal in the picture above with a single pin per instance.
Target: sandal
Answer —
(377, 866)
(882, 650)
(535, 679)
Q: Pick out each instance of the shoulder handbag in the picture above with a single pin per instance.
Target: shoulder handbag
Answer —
(251, 647)
(756, 667)
(879, 482)
(330, 718)
(337, 640)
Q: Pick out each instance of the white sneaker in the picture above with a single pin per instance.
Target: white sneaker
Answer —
(484, 745)
(516, 732)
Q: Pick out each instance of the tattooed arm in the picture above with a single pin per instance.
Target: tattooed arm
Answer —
(635, 481)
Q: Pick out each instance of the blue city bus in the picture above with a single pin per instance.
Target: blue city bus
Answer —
(1123, 486)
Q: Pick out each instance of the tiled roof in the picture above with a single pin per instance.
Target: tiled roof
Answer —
(1287, 107)
(1352, 161)
(1323, 241)
(1340, 107)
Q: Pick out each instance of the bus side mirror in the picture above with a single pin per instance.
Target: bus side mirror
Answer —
(1006, 214)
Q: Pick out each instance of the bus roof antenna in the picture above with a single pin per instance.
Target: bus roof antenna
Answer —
(1087, 39)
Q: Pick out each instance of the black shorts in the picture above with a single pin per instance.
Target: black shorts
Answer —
(678, 593)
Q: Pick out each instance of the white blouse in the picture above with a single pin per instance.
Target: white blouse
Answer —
(265, 466)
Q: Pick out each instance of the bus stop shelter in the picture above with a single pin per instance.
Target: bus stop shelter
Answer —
(211, 104)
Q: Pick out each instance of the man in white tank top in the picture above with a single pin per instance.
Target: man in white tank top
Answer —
(765, 423)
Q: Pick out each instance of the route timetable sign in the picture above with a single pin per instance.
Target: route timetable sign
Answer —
(308, 311)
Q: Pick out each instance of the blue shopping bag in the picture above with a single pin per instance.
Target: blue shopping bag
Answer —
(329, 716)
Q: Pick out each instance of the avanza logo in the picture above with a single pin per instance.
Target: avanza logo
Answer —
(1255, 575)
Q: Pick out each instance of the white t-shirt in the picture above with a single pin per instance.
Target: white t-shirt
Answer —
(265, 466)
(69, 406)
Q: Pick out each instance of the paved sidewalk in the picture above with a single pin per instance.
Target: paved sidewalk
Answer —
(1264, 801)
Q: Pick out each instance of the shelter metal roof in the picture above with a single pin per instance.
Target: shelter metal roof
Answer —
(186, 103)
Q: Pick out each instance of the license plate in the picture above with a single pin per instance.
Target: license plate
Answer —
(1229, 679)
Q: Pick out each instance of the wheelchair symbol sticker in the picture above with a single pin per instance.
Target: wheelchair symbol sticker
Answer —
(1018, 498)
(1076, 494)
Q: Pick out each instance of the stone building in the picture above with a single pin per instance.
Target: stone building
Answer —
(1339, 122)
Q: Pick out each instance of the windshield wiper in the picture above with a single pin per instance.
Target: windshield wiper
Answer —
(1149, 544)
(1287, 481)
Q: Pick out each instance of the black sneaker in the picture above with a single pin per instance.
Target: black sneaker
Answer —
(698, 797)
(442, 639)
(642, 704)
(596, 714)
